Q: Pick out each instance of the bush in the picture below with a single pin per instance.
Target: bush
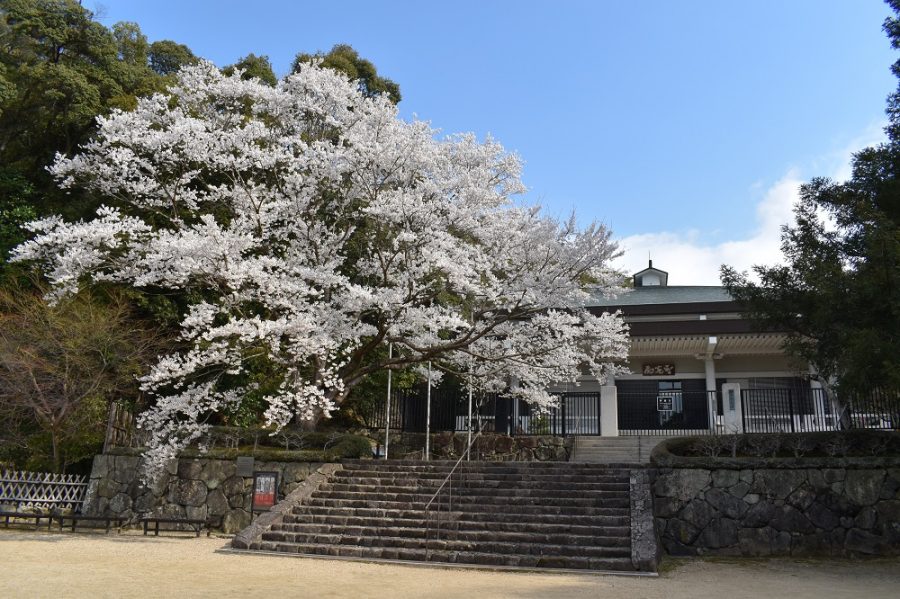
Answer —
(353, 446)
(224, 442)
(832, 444)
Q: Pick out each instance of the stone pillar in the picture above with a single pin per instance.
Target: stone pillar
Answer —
(710, 369)
(609, 411)
(731, 408)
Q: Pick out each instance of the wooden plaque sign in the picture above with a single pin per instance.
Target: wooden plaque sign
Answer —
(658, 369)
(265, 491)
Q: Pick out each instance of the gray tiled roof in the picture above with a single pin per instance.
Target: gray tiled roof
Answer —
(687, 294)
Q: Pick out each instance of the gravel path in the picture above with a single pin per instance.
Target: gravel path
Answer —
(130, 565)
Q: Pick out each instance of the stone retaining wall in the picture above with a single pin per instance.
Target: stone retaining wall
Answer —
(189, 488)
(796, 511)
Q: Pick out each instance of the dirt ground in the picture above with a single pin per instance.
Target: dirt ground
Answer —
(36, 564)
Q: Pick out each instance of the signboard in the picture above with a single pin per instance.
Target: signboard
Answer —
(664, 403)
(265, 491)
(245, 465)
(658, 369)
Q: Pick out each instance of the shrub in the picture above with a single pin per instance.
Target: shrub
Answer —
(352, 446)
(837, 444)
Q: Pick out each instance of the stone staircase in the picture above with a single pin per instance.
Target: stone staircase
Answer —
(504, 514)
(614, 450)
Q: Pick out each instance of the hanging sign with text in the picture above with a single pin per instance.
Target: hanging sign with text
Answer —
(664, 403)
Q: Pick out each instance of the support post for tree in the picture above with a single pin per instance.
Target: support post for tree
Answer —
(387, 411)
(428, 417)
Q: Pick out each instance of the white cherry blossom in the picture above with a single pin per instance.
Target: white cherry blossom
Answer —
(316, 226)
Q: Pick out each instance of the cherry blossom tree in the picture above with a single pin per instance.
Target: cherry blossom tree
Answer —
(311, 226)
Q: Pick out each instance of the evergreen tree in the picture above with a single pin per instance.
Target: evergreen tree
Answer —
(838, 293)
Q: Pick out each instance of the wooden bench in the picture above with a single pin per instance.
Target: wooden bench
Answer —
(37, 517)
(195, 524)
(76, 518)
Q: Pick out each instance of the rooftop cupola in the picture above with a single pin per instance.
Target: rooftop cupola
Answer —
(651, 277)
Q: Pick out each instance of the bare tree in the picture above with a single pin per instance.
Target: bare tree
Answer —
(61, 364)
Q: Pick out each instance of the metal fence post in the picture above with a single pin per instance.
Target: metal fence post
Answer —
(791, 410)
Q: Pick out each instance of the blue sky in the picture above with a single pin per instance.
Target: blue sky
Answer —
(685, 126)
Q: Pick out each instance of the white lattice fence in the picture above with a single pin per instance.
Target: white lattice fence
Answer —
(41, 490)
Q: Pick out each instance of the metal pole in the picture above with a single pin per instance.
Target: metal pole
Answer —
(428, 417)
(387, 412)
(471, 369)
(469, 436)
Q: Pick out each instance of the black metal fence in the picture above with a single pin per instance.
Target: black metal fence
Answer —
(787, 411)
(878, 409)
(686, 413)
(639, 413)
(576, 414)
(811, 410)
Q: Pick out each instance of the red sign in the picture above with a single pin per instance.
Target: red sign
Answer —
(265, 490)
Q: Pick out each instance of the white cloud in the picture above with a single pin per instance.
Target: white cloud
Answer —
(690, 260)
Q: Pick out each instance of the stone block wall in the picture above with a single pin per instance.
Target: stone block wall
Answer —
(188, 488)
(762, 512)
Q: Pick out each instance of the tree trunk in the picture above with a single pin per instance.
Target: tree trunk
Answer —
(841, 408)
(57, 458)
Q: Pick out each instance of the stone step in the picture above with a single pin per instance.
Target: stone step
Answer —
(603, 450)
(585, 507)
(482, 464)
(482, 467)
(459, 557)
(610, 453)
(620, 549)
(608, 442)
(538, 515)
(530, 479)
(471, 488)
(397, 527)
(625, 451)
(607, 455)
(598, 516)
(473, 496)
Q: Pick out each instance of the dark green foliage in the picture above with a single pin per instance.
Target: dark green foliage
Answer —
(16, 208)
(345, 59)
(59, 70)
(254, 67)
(290, 444)
(263, 454)
(352, 446)
(858, 443)
(368, 396)
(131, 43)
(838, 294)
(166, 56)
